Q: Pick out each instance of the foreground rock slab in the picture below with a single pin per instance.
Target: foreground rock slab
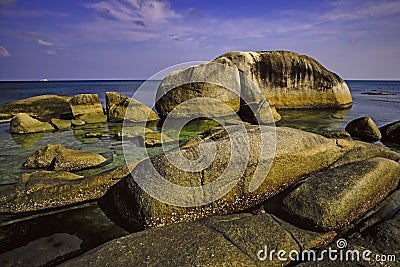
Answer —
(60, 158)
(23, 123)
(297, 155)
(41, 193)
(335, 198)
(233, 240)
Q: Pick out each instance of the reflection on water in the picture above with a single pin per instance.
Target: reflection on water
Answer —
(314, 120)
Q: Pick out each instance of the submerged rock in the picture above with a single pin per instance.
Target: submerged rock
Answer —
(290, 80)
(335, 198)
(41, 193)
(60, 124)
(120, 108)
(297, 154)
(60, 158)
(364, 128)
(232, 240)
(23, 123)
(391, 132)
(43, 107)
(88, 108)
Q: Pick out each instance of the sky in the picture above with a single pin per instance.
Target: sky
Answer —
(134, 39)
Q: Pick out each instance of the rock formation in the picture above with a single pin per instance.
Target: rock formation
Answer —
(23, 123)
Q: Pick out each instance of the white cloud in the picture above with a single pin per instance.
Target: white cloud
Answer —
(4, 52)
(51, 52)
(44, 43)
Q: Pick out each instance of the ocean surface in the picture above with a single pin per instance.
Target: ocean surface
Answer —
(14, 149)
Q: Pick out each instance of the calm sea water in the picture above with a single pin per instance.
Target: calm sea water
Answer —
(15, 148)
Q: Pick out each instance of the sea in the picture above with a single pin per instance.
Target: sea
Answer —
(378, 99)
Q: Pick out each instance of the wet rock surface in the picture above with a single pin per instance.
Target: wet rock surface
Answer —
(120, 108)
(391, 132)
(364, 128)
(60, 158)
(333, 199)
(23, 123)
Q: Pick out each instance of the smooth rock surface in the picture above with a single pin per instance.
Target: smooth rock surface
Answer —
(297, 154)
(60, 124)
(200, 84)
(23, 123)
(43, 107)
(290, 80)
(88, 108)
(233, 240)
(391, 132)
(364, 128)
(335, 198)
(60, 158)
(41, 193)
(120, 108)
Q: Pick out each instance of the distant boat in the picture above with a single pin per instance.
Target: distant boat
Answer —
(44, 80)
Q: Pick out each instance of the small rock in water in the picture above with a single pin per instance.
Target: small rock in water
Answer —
(364, 128)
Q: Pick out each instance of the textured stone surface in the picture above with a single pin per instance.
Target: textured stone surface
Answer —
(336, 134)
(120, 107)
(290, 80)
(335, 198)
(232, 240)
(60, 158)
(43, 107)
(297, 154)
(208, 80)
(88, 108)
(364, 128)
(60, 124)
(43, 175)
(41, 193)
(391, 132)
(23, 123)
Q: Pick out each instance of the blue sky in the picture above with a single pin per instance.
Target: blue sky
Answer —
(133, 39)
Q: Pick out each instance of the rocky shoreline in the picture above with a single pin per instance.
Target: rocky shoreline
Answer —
(316, 189)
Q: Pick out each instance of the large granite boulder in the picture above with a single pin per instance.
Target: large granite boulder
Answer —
(43, 107)
(120, 108)
(232, 240)
(297, 154)
(290, 80)
(391, 132)
(88, 108)
(57, 189)
(335, 198)
(23, 123)
(364, 128)
(60, 158)
(207, 90)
